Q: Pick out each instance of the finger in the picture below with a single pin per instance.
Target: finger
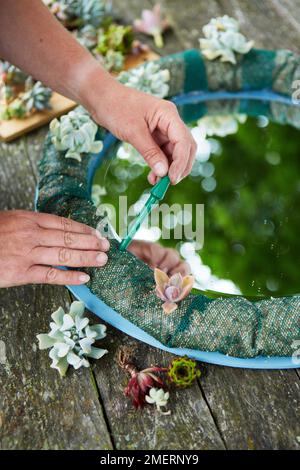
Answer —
(160, 137)
(48, 275)
(51, 221)
(169, 260)
(182, 267)
(180, 159)
(152, 178)
(77, 241)
(182, 140)
(68, 257)
(151, 152)
(191, 159)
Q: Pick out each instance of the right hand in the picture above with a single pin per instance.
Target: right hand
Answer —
(31, 243)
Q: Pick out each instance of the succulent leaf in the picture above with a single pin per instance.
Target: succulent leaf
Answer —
(71, 338)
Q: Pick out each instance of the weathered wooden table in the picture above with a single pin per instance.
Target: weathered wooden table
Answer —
(227, 409)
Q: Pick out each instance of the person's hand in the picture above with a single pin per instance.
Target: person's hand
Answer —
(153, 126)
(157, 256)
(31, 243)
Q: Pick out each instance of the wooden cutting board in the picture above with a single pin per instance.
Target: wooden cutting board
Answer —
(10, 130)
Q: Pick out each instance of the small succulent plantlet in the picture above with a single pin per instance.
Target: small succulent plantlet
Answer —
(11, 75)
(75, 133)
(221, 125)
(97, 192)
(88, 36)
(117, 38)
(223, 39)
(113, 61)
(37, 98)
(183, 372)
(76, 13)
(172, 289)
(158, 397)
(15, 109)
(153, 24)
(140, 382)
(148, 78)
(71, 338)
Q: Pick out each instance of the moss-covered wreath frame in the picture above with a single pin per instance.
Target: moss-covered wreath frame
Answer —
(233, 331)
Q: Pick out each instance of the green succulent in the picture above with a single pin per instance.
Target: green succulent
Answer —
(97, 192)
(76, 13)
(148, 78)
(7, 92)
(76, 133)
(71, 338)
(37, 98)
(15, 109)
(92, 11)
(88, 36)
(113, 61)
(116, 38)
(12, 75)
(183, 372)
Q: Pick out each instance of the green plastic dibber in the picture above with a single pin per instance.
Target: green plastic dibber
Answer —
(157, 193)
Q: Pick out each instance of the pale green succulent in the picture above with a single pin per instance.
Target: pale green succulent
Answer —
(87, 36)
(97, 192)
(148, 78)
(15, 109)
(76, 133)
(223, 39)
(158, 397)
(71, 339)
(37, 98)
(127, 152)
(92, 11)
(221, 125)
(113, 61)
(79, 12)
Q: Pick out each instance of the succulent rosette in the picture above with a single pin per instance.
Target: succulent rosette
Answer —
(140, 383)
(172, 289)
(76, 133)
(71, 339)
(149, 78)
(158, 397)
(183, 372)
(152, 23)
(223, 39)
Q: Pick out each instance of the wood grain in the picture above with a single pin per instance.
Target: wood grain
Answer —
(232, 408)
(14, 128)
(38, 409)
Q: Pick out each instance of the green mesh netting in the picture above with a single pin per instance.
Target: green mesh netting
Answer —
(230, 325)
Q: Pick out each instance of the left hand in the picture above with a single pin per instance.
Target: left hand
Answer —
(157, 256)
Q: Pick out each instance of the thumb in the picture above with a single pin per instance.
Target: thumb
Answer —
(151, 152)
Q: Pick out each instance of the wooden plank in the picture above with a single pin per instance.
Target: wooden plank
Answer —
(38, 410)
(190, 425)
(265, 23)
(14, 128)
(250, 408)
(255, 409)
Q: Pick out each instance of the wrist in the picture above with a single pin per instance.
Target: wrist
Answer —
(95, 87)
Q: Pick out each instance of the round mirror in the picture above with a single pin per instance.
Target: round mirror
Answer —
(246, 183)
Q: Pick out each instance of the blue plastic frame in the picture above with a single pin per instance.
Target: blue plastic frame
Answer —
(109, 315)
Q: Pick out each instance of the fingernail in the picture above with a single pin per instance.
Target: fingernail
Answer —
(178, 179)
(101, 258)
(105, 244)
(159, 169)
(84, 278)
